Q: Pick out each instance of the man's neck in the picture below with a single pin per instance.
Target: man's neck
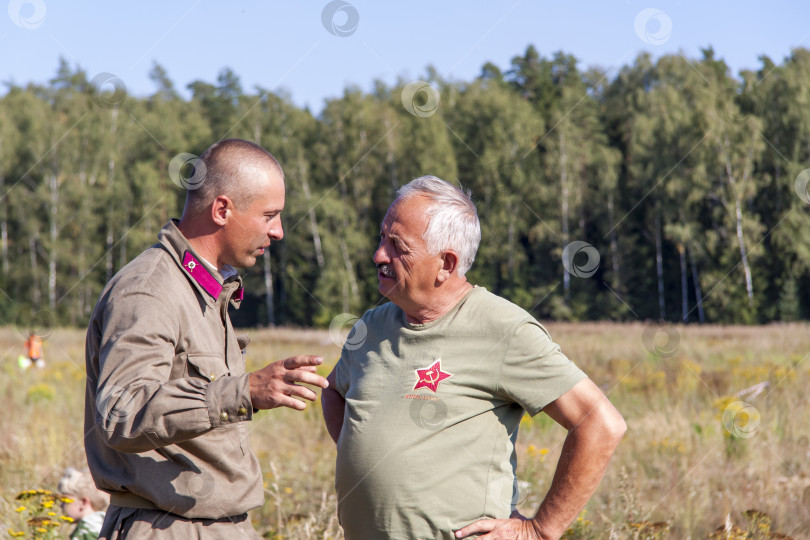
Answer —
(203, 242)
(439, 307)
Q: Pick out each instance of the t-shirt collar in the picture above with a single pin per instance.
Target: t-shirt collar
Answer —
(450, 313)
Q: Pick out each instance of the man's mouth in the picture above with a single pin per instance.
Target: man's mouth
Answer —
(385, 271)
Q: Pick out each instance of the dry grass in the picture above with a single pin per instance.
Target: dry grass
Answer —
(679, 473)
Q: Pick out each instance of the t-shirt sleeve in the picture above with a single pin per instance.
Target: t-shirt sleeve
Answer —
(353, 346)
(534, 371)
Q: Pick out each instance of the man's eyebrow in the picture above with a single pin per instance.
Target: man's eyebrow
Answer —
(391, 235)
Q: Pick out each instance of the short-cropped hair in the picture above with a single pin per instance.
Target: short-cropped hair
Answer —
(79, 484)
(217, 172)
(452, 219)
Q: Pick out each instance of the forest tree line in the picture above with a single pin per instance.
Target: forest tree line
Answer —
(677, 186)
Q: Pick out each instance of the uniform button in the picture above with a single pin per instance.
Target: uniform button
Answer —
(212, 376)
(242, 411)
(223, 416)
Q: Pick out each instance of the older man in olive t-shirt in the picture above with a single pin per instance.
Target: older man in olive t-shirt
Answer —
(426, 399)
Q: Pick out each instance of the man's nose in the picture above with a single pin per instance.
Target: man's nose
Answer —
(276, 231)
(381, 256)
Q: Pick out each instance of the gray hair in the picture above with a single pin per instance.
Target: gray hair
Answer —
(453, 221)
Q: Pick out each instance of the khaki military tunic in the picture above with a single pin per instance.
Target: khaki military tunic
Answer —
(167, 399)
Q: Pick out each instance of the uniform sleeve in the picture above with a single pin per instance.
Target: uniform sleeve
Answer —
(138, 407)
(534, 371)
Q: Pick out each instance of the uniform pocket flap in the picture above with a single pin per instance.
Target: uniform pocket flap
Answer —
(208, 366)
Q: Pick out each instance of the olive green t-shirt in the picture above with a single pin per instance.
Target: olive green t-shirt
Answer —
(432, 414)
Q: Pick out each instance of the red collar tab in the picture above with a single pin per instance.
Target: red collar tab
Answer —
(199, 273)
(239, 295)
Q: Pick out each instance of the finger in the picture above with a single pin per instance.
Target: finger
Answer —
(311, 369)
(480, 526)
(298, 376)
(291, 403)
(302, 360)
(301, 391)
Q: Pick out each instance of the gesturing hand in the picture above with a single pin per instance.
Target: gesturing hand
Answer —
(275, 384)
(517, 527)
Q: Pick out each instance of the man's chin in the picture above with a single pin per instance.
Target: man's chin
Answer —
(246, 262)
(386, 289)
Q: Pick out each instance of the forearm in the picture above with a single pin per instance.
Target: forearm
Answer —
(333, 406)
(149, 415)
(584, 459)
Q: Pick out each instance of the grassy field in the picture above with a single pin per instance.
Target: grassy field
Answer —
(700, 452)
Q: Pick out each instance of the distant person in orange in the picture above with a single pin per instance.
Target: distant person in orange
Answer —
(33, 351)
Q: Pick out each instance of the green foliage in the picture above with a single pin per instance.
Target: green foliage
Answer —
(680, 175)
(39, 393)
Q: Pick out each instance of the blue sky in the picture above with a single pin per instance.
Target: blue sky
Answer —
(287, 45)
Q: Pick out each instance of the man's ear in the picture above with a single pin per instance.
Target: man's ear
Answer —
(449, 266)
(221, 209)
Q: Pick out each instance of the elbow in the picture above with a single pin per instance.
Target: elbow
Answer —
(614, 427)
(605, 428)
(128, 442)
(116, 442)
(133, 446)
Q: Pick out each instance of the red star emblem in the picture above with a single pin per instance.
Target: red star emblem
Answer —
(430, 377)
